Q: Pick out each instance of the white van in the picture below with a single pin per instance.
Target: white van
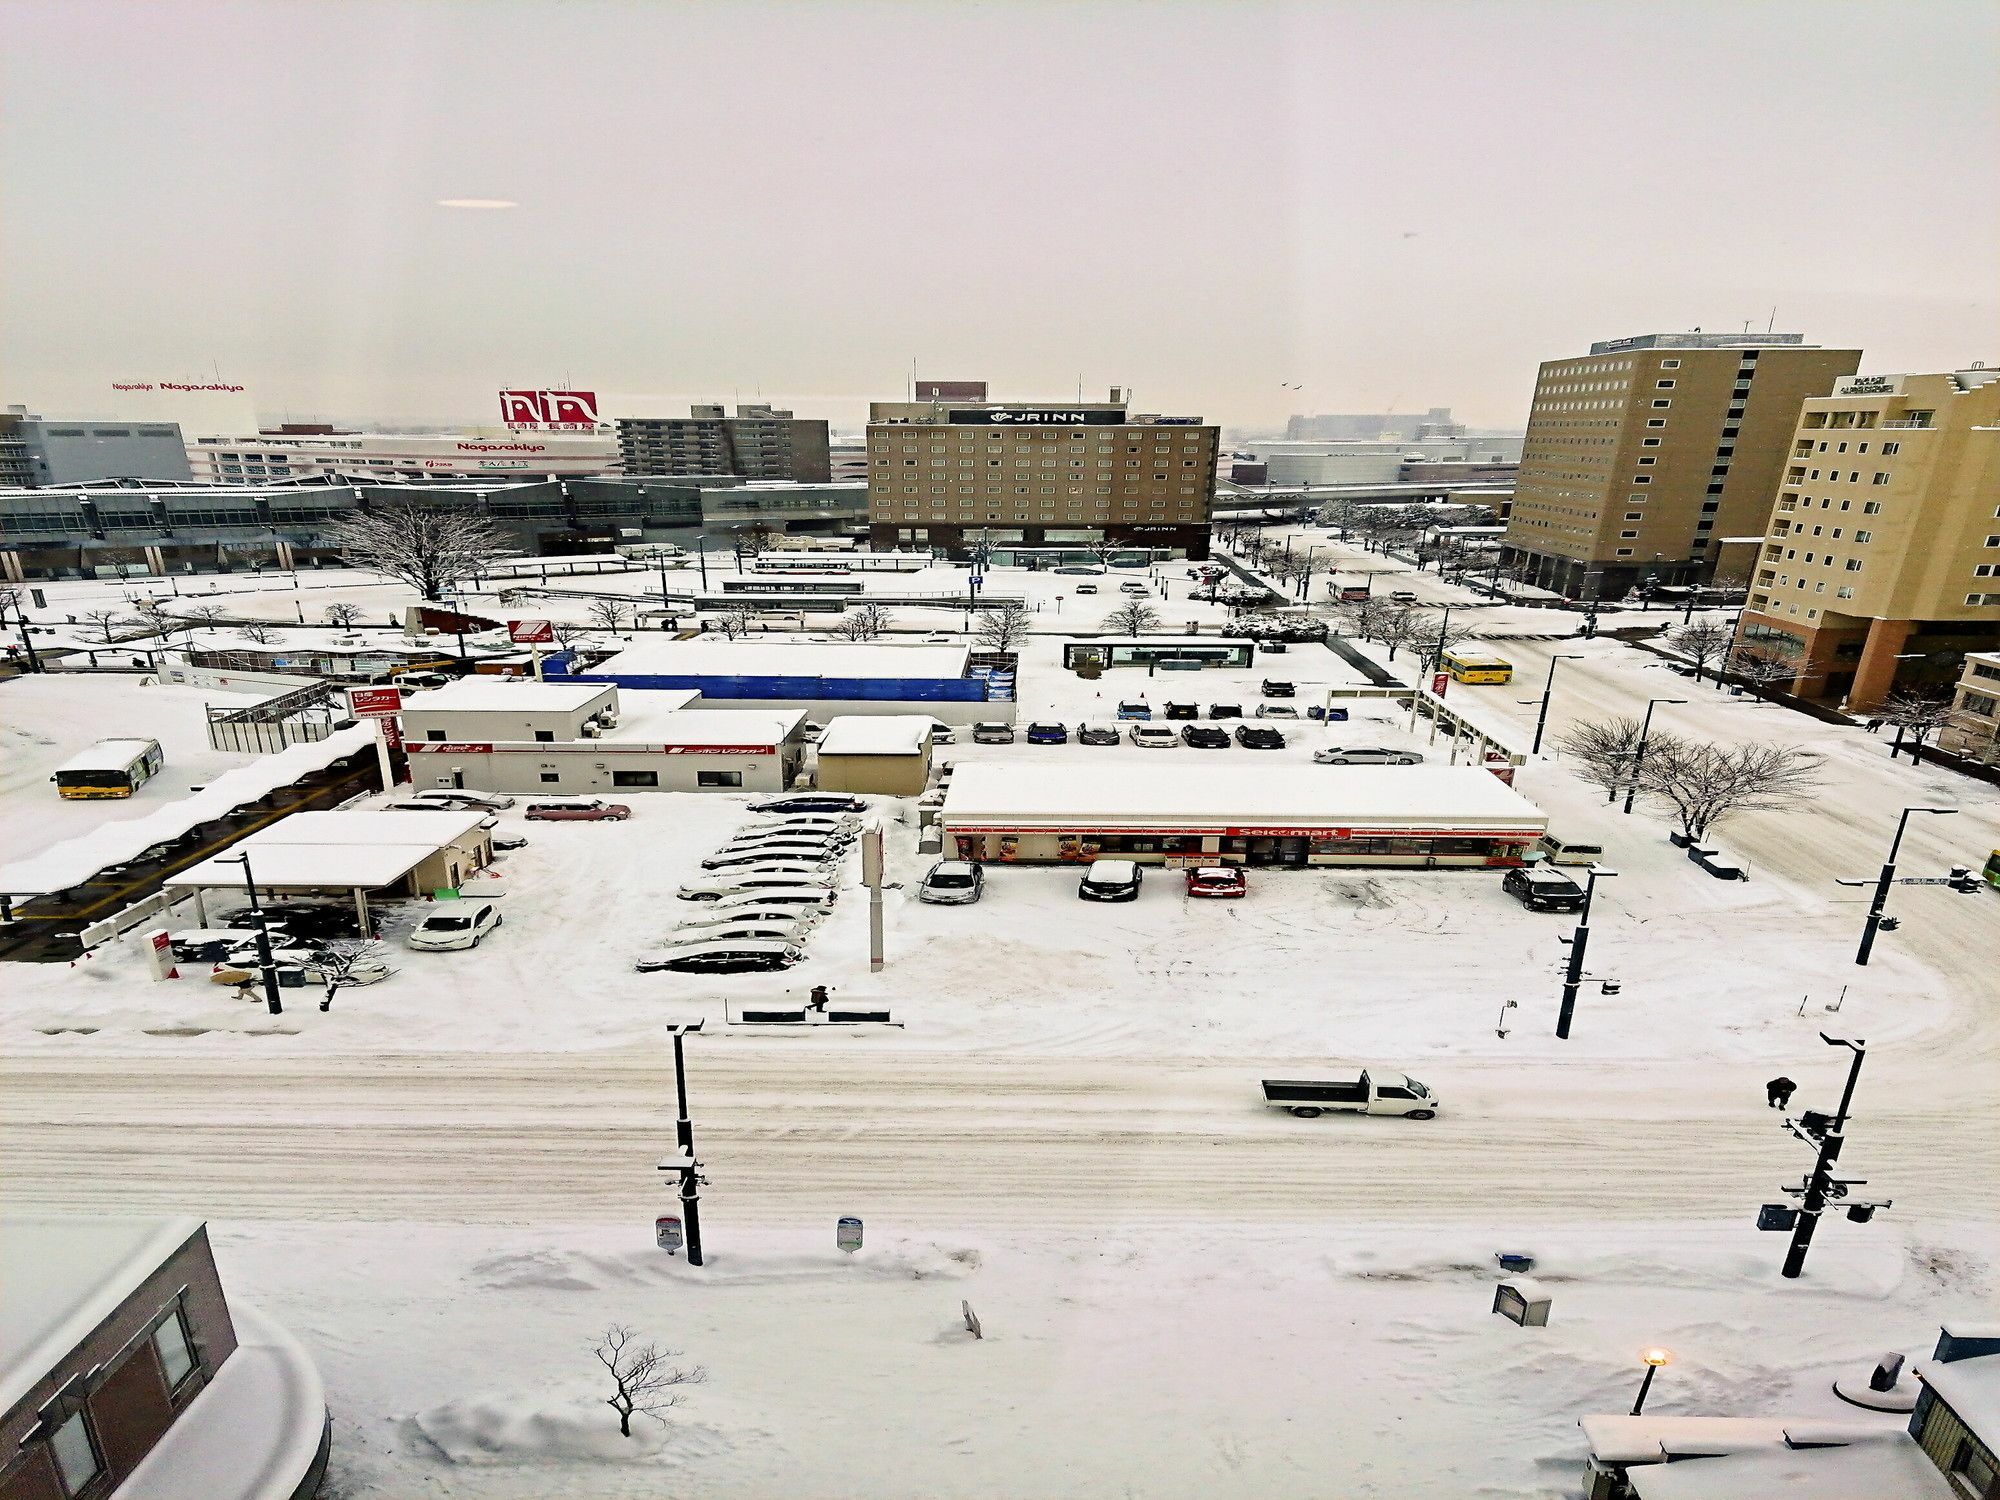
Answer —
(1561, 852)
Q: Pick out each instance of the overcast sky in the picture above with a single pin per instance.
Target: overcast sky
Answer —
(1394, 204)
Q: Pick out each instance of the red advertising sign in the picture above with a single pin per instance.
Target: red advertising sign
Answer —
(374, 702)
(530, 632)
(455, 747)
(549, 409)
(1439, 682)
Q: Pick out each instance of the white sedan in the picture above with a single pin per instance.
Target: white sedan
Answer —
(784, 877)
(1154, 736)
(723, 914)
(1367, 755)
(456, 924)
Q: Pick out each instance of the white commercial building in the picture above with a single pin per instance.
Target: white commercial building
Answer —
(1238, 813)
(261, 457)
(1288, 462)
(566, 739)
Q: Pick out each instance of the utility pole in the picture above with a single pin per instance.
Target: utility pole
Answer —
(1444, 626)
(27, 642)
(1542, 718)
(265, 962)
(1886, 879)
(1639, 751)
(1821, 1185)
(1578, 941)
(685, 1164)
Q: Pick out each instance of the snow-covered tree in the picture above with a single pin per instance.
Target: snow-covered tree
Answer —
(1766, 663)
(865, 622)
(735, 623)
(608, 614)
(107, 624)
(1705, 783)
(258, 631)
(1134, 617)
(1701, 642)
(339, 959)
(644, 1382)
(431, 550)
(1601, 751)
(342, 615)
(1917, 715)
(1001, 627)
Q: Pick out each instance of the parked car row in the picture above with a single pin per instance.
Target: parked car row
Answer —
(765, 889)
(1153, 736)
(1122, 879)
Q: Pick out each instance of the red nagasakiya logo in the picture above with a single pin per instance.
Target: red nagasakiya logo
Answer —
(558, 409)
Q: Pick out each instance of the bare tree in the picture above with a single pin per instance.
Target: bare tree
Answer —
(608, 614)
(258, 631)
(107, 623)
(1705, 783)
(645, 1383)
(342, 615)
(735, 623)
(1434, 633)
(1001, 627)
(1768, 662)
(1366, 619)
(431, 550)
(202, 614)
(865, 622)
(1602, 751)
(569, 634)
(342, 962)
(1134, 617)
(1402, 626)
(1702, 642)
(755, 538)
(1917, 715)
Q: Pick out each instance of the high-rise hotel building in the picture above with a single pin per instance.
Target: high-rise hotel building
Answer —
(1643, 454)
(953, 473)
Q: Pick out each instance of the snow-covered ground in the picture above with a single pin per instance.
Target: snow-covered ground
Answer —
(1185, 1292)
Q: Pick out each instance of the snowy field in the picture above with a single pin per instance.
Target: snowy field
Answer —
(444, 1185)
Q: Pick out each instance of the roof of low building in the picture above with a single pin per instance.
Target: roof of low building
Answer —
(876, 734)
(492, 695)
(60, 1278)
(1970, 1387)
(790, 658)
(1873, 1468)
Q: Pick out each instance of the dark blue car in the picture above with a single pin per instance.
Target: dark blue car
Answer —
(1048, 734)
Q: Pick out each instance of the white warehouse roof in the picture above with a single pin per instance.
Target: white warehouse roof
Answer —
(490, 694)
(666, 658)
(994, 796)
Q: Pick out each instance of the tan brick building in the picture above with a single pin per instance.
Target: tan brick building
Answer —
(1881, 558)
(949, 474)
(1642, 455)
(1974, 730)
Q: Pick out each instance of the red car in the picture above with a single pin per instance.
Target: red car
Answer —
(577, 812)
(1216, 880)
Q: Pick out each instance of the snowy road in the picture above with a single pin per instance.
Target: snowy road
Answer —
(1011, 1141)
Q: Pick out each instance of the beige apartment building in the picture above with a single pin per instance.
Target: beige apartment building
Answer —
(1881, 559)
(1035, 479)
(1974, 730)
(1642, 456)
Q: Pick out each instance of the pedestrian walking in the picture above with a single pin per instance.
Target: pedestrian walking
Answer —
(1778, 1092)
(820, 996)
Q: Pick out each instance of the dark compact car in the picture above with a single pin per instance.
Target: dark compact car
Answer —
(1047, 734)
(1539, 888)
(1098, 734)
(1259, 737)
(1225, 710)
(1273, 688)
(810, 802)
(1183, 711)
(1204, 737)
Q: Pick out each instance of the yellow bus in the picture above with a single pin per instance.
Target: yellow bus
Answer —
(109, 768)
(1469, 666)
(1992, 870)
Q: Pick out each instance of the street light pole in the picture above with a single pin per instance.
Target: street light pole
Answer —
(265, 962)
(1444, 626)
(1652, 1359)
(1542, 718)
(1819, 1185)
(1579, 940)
(1887, 879)
(1639, 751)
(684, 1133)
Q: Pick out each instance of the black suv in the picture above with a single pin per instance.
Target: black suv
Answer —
(1204, 737)
(1540, 888)
(1276, 689)
(1259, 737)
(1225, 710)
(1183, 711)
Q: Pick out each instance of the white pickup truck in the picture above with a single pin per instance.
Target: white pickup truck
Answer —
(1365, 1091)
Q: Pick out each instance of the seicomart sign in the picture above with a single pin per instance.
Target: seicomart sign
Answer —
(1040, 416)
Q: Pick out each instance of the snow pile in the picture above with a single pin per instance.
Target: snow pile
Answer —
(494, 1430)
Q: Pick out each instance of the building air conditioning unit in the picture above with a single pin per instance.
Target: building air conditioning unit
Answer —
(592, 729)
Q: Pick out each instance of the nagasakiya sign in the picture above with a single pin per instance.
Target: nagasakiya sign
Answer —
(1050, 416)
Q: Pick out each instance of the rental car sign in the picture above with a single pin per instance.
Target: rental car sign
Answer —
(530, 632)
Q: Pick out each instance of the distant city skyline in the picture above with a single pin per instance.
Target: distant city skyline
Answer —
(1242, 212)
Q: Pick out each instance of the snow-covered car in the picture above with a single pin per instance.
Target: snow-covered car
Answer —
(590, 811)
(1216, 881)
(1110, 880)
(992, 733)
(791, 851)
(1154, 736)
(1259, 737)
(1098, 734)
(1541, 889)
(810, 898)
(1277, 688)
(952, 882)
(1130, 587)
(942, 733)
(1366, 755)
(792, 929)
(782, 877)
(486, 821)
(1225, 710)
(1135, 708)
(462, 797)
(810, 802)
(1086, 588)
(736, 956)
(455, 924)
(1204, 737)
(1079, 570)
(1043, 732)
(803, 916)
(1276, 711)
(1180, 708)
(821, 844)
(844, 832)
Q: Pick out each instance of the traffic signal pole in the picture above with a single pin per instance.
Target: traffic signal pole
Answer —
(1819, 1186)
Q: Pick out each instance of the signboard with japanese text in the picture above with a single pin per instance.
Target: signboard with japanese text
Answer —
(530, 632)
(667, 1233)
(558, 411)
(1045, 416)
